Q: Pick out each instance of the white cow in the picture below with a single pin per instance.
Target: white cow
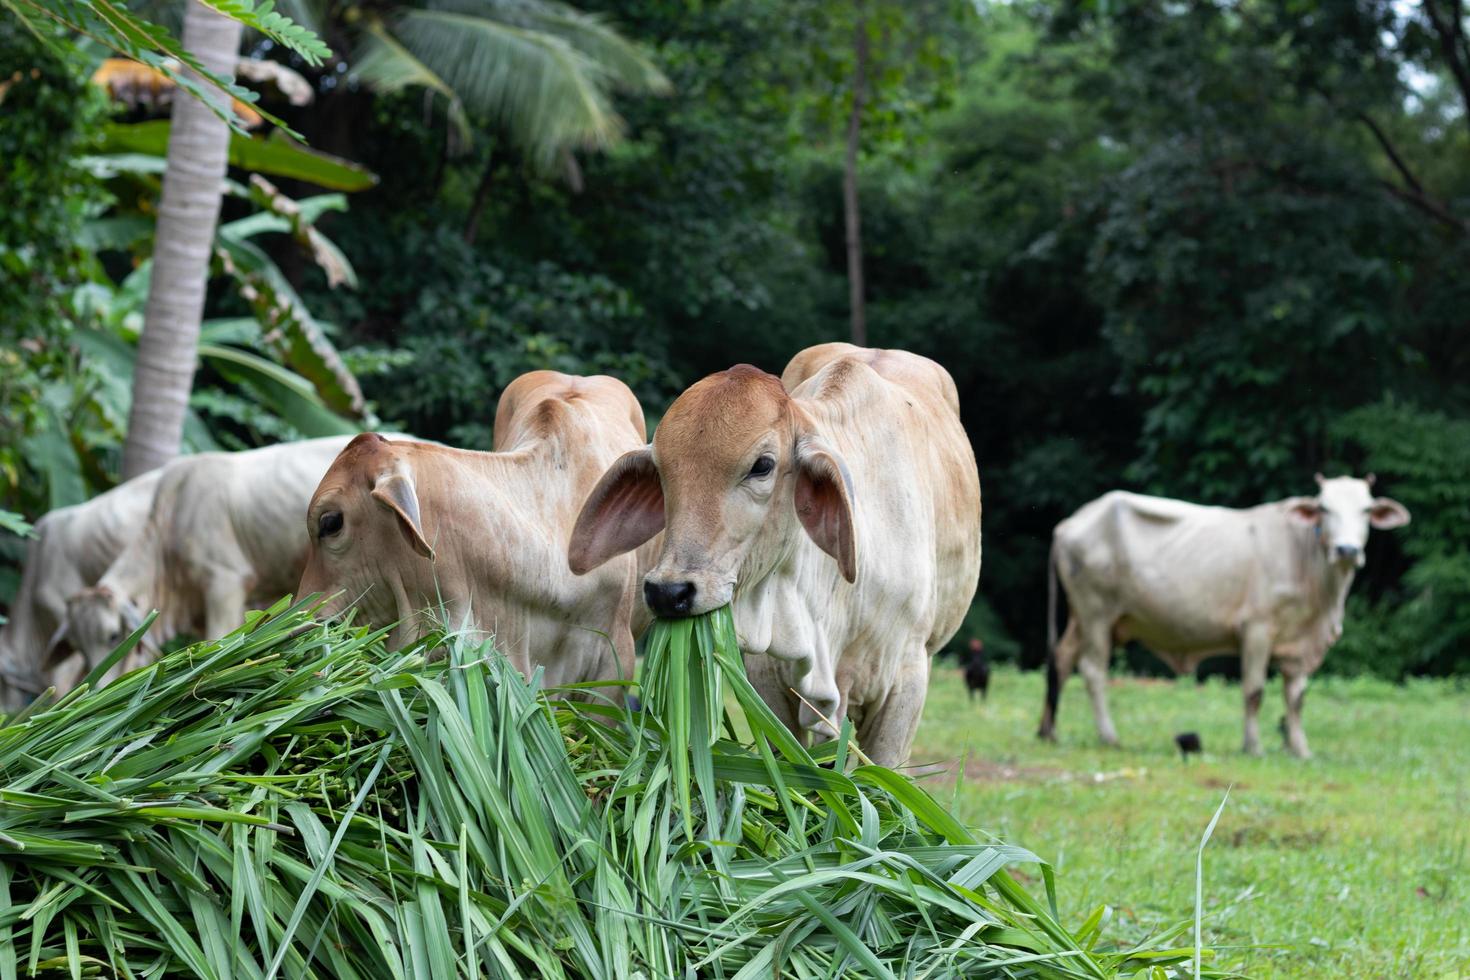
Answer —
(72, 548)
(841, 516)
(224, 533)
(1191, 582)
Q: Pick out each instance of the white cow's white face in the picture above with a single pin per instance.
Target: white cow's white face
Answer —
(1343, 511)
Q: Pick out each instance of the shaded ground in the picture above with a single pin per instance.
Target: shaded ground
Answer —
(1353, 864)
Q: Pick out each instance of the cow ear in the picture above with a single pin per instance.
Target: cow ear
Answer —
(394, 490)
(1388, 514)
(624, 510)
(824, 503)
(1305, 510)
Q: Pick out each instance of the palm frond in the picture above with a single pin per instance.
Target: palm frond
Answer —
(546, 94)
(544, 72)
(623, 62)
(382, 63)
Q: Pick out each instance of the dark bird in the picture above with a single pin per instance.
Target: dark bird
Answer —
(1189, 744)
(977, 670)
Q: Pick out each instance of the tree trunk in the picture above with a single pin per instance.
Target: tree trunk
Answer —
(850, 189)
(198, 150)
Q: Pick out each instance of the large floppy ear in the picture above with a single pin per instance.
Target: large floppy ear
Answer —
(624, 510)
(824, 502)
(394, 490)
(1304, 510)
(1388, 514)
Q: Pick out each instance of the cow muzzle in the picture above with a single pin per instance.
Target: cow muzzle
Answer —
(1348, 554)
(669, 599)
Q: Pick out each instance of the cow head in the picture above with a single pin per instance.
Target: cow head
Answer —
(1343, 511)
(97, 620)
(364, 529)
(735, 466)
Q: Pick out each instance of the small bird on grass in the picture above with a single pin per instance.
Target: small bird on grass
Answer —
(1189, 744)
(977, 670)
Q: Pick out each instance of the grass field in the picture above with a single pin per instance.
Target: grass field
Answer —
(1351, 864)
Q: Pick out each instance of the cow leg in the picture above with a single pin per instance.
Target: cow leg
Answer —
(1063, 661)
(771, 684)
(1255, 656)
(1092, 663)
(887, 731)
(224, 606)
(1295, 685)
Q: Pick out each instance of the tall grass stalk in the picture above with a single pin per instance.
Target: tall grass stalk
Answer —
(1199, 882)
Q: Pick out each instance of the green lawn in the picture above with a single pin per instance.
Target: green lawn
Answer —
(1351, 864)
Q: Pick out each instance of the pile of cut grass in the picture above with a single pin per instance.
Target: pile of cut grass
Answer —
(294, 800)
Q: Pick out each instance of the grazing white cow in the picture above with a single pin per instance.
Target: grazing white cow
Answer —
(842, 517)
(72, 548)
(404, 529)
(224, 533)
(1191, 582)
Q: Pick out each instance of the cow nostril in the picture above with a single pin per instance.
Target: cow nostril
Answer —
(1347, 551)
(669, 598)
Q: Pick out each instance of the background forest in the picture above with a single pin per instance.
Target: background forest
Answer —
(1201, 250)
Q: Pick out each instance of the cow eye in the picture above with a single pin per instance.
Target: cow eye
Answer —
(762, 467)
(329, 524)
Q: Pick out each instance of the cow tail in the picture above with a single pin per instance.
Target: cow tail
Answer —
(1053, 682)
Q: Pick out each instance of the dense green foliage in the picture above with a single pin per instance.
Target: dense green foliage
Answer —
(49, 118)
(1418, 619)
(77, 248)
(1202, 250)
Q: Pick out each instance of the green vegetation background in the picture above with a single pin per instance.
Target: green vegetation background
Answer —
(1158, 249)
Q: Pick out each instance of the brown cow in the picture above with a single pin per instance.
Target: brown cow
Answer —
(842, 516)
(414, 534)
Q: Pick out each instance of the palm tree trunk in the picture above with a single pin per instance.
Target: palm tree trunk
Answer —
(850, 189)
(198, 149)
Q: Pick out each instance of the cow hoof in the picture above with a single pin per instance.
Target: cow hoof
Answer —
(1253, 751)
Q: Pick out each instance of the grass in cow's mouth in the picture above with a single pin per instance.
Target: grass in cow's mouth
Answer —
(295, 800)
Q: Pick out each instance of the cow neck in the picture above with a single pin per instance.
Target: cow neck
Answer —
(102, 526)
(1328, 581)
(137, 574)
(505, 488)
